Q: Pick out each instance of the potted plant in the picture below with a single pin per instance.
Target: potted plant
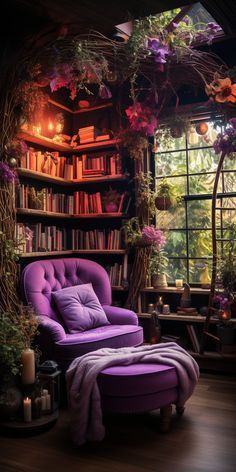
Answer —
(167, 196)
(158, 263)
(16, 334)
(111, 200)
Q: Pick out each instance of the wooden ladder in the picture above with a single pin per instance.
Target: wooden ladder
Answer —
(211, 310)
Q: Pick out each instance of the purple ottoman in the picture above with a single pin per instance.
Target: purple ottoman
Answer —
(138, 388)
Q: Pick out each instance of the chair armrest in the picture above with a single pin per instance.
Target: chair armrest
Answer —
(120, 316)
(51, 328)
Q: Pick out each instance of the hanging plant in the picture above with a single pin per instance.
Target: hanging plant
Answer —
(135, 143)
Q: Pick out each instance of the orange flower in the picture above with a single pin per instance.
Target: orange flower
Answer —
(221, 90)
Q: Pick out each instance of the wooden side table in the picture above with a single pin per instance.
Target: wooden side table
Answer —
(18, 427)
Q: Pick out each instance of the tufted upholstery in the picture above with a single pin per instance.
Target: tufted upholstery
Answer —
(41, 278)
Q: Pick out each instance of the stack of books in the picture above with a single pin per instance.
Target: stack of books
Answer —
(187, 311)
(96, 239)
(87, 134)
(38, 237)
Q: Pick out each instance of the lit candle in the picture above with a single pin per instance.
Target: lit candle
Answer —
(50, 126)
(179, 283)
(27, 410)
(48, 402)
(28, 366)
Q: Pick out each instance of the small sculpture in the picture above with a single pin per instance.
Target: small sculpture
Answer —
(185, 301)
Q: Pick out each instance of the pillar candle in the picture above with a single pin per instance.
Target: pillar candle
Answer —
(48, 402)
(179, 283)
(44, 402)
(28, 366)
(27, 410)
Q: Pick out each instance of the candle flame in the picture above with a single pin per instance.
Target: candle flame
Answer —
(50, 126)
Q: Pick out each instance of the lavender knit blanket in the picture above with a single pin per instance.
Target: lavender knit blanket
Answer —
(84, 394)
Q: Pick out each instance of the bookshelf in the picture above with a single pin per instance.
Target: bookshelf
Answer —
(47, 225)
(31, 174)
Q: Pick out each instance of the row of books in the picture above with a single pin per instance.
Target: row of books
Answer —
(107, 164)
(71, 168)
(89, 134)
(96, 239)
(116, 274)
(52, 164)
(193, 337)
(38, 237)
(79, 203)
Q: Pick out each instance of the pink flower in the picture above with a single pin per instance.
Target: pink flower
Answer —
(142, 118)
(104, 92)
(153, 236)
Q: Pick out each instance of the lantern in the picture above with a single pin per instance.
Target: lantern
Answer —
(49, 378)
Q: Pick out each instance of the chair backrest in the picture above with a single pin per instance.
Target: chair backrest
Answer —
(40, 278)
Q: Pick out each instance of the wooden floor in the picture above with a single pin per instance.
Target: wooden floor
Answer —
(203, 440)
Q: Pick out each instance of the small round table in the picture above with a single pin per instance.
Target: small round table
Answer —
(36, 426)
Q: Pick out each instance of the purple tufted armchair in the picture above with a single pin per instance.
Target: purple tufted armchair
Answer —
(41, 278)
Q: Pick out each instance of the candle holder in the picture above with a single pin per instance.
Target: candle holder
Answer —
(49, 379)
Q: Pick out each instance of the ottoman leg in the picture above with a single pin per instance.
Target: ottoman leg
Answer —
(165, 413)
(180, 410)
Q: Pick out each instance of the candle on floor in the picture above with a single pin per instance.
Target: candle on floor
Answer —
(27, 410)
(179, 283)
(28, 367)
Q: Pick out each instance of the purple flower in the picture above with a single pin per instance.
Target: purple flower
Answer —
(233, 122)
(226, 141)
(104, 92)
(213, 27)
(160, 50)
(7, 175)
(153, 236)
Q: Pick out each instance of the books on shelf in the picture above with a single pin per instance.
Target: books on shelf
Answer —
(96, 239)
(116, 274)
(193, 337)
(187, 311)
(80, 202)
(40, 238)
(89, 134)
(73, 167)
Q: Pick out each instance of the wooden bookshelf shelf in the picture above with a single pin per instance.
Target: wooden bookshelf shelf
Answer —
(176, 317)
(52, 214)
(43, 141)
(194, 290)
(47, 214)
(60, 181)
(101, 215)
(118, 288)
(96, 145)
(45, 254)
(71, 252)
(94, 108)
(81, 110)
(99, 251)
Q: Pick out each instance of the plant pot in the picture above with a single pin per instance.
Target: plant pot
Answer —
(159, 281)
(111, 207)
(163, 203)
(10, 400)
(176, 132)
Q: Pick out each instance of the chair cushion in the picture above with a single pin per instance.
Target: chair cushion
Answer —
(80, 308)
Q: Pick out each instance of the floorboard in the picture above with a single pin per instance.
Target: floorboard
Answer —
(203, 440)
